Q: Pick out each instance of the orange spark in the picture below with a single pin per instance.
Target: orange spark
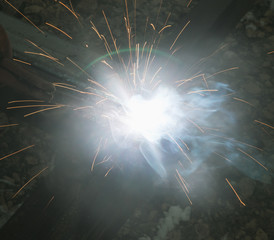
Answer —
(137, 55)
(49, 202)
(19, 101)
(108, 171)
(105, 159)
(95, 30)
(264, 124)
(183, 82)
(105, 62)
(21, 150)
(252, 158)
(73, 13)
(9, 125)
(65, 84)
(135, 25)
(80, 108)
(107, 46)
(222, 156)
(179, 35)
(226, 70)
(212, 129)
(41, 54)
(182, 186)
(142, 54)
(180, 163)
(196, 125)
(76, 65)
(95, 156)
(235, 192)
(204, 90)
(233, 140)
(103, 100)
(167, 26)
(76, 90)
(30, 106)
(24, 16)
(160, 68)
(265, 131)
(156, 84)
(70, 3)
(134, 74)
(205, 81)
(21, 61)
(112, 37)
(146, 64)
(188, 3)
(46, 56)
(241, 100)
(128, 23)
(113, 40)
(36, 175)
(58, 29)
(43, 110)
(152, 25)
(270, 52)
(184, 144)
(46, 53)
(190, 79)
(178, 145)
(99, 85)
(182, 180)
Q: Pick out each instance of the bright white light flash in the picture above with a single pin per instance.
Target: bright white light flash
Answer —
(151, 118)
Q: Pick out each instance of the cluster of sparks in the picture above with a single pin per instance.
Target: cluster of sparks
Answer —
(141, 105)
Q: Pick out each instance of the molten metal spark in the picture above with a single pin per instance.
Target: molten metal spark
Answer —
(24, 16)
(235, 192)
(9, 125)
(21, 150)
(18, 60)
(264, 124)
(58, 29)
(35, 176)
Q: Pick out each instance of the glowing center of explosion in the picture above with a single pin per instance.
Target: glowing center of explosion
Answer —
(147, 117)
(150, 118)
